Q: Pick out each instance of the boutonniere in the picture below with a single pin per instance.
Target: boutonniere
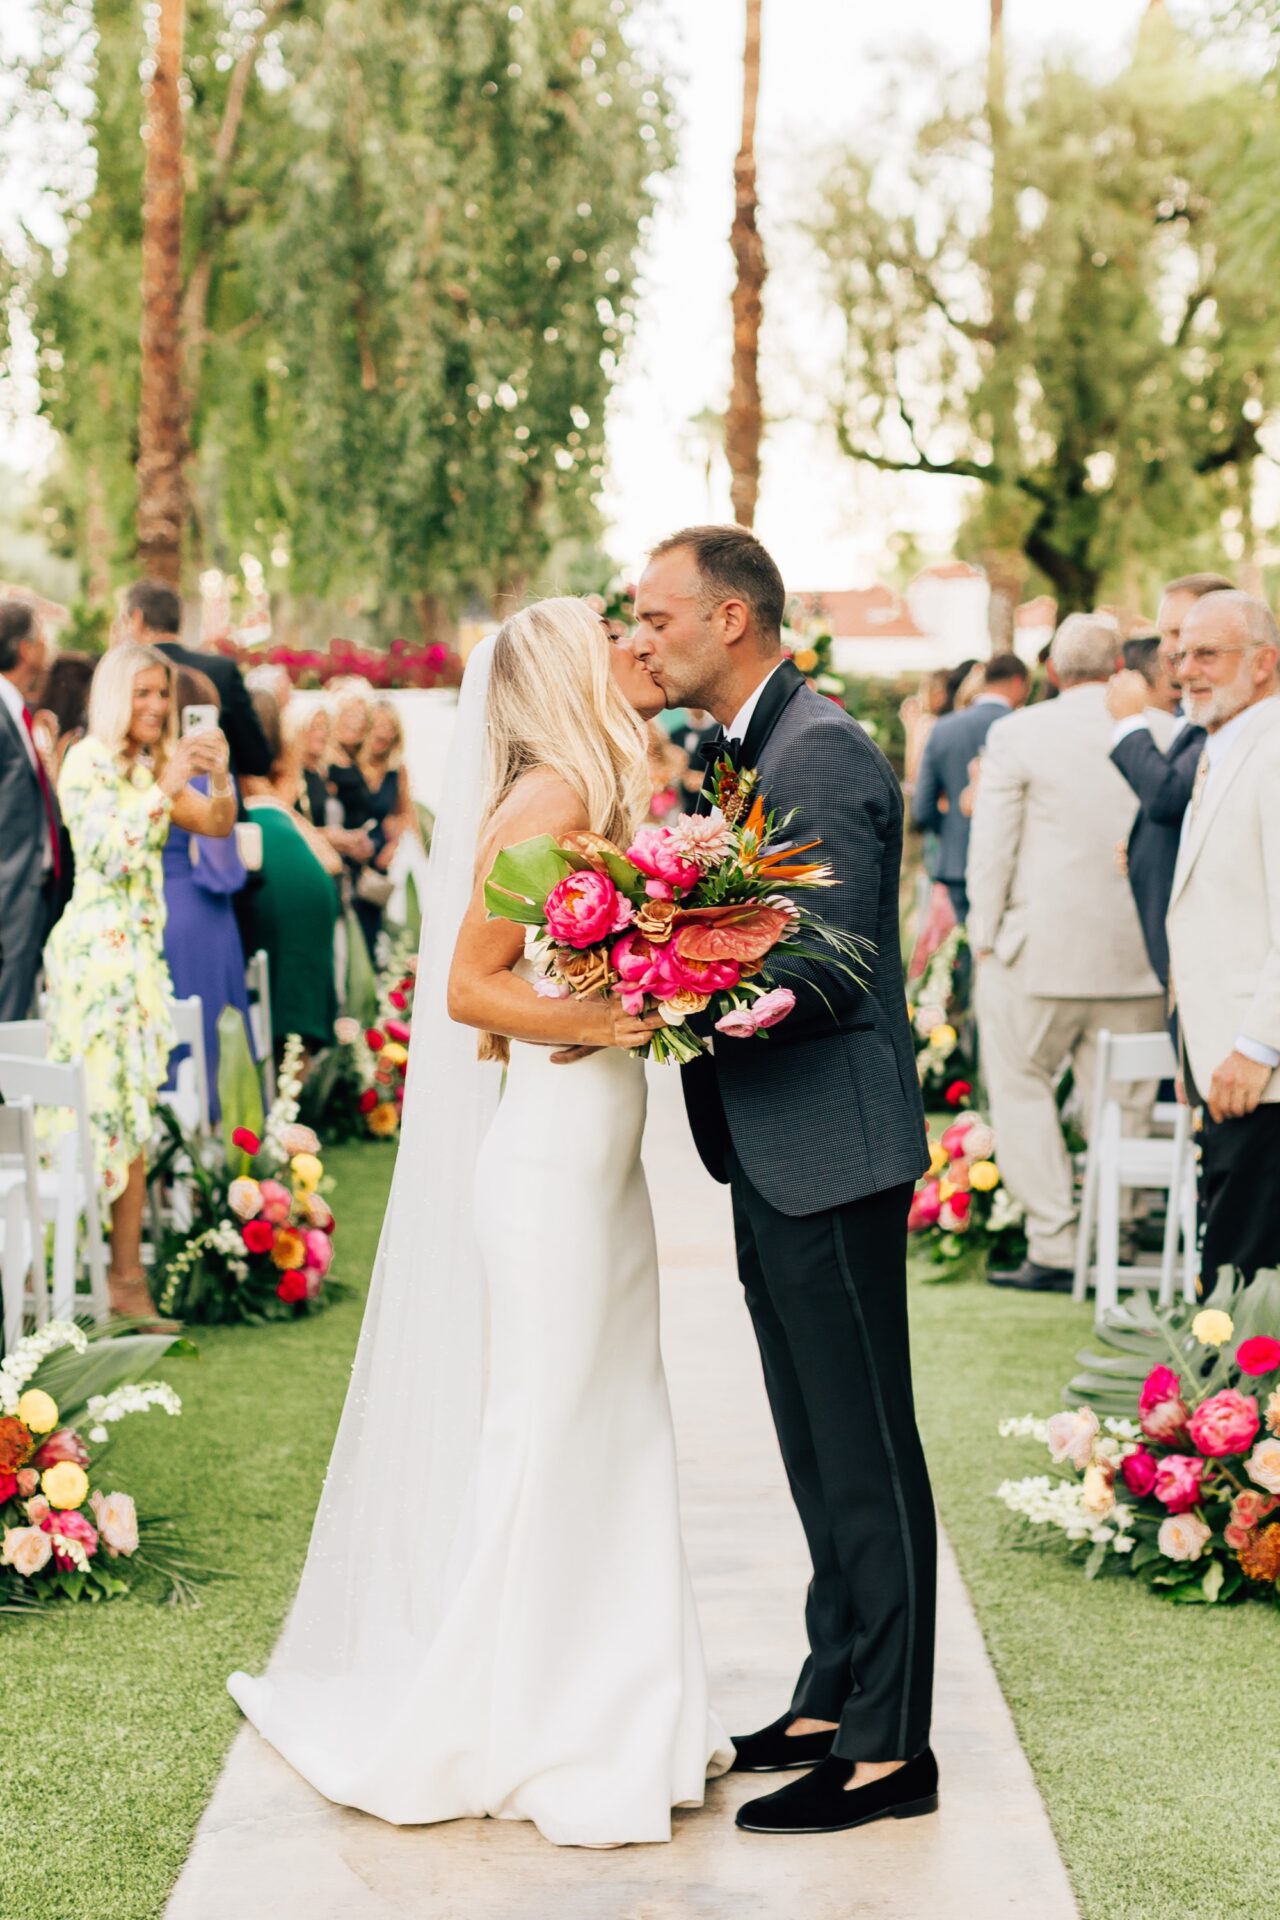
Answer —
(732, 788)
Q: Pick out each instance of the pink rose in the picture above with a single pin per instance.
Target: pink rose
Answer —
(1248, 1510)
(1225, 1423)
(1139, 1472)
(925, 1208)
(656, 852)
(584, 908)
(772, 1007)
(1071, 1437)
(1165, 1421)
(1161, 1383)
(319, 1250)
(739, 1023)
(276, 1202)
(1177, 1481)
(117, 1519)
(62, 1445)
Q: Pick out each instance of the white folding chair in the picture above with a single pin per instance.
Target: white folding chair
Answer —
(257, 980)
(24, 1278)
(69, 1188)
(188, 1098)
(1116, 1161)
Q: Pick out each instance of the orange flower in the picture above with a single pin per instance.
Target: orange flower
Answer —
(289, 1249)
(1260, 1556)
(16, 1444)
(383, 1121)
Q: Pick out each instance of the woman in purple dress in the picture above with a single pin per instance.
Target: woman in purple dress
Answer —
(201, 939)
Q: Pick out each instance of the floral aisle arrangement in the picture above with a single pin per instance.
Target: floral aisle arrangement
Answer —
(400, 666)
(961, 1206)
(260, 1243)
(944, 1061)
(694, 919)
(65, 1532)
(357, 1090)
(1169, 1463)
(809, 641)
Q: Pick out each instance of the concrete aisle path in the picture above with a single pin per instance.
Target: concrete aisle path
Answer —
(269, 1848)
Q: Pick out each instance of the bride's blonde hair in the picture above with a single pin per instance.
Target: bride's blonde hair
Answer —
(553, 703)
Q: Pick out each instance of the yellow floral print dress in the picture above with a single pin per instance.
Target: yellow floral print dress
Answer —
(110, 995)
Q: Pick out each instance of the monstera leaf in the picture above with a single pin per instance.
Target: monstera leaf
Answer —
(522, 876)
(744, 932)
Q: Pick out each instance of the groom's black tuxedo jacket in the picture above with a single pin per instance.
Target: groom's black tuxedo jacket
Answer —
(827, 1109)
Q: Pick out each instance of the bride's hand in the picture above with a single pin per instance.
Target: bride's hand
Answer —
(615, 1028)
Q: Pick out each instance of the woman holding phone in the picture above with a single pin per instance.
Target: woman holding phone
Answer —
(110, 993)
(202, 876)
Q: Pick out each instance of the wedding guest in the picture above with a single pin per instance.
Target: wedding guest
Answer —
(1161, 778)
(64, 704)
(110, 993)
(351, 803)
(30, 823)
(152, 617)
(1224, 925)
(386, 777)
(308, 734)
(954, 742)
(919, 714)
(293, 913)
(201, 938)
(691, 737)
(1055, 934)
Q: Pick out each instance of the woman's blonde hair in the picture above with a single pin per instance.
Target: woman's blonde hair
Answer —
(554, 703)
(111, 699)
(396, 754)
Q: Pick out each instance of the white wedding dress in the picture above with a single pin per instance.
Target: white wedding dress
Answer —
(507, 1628)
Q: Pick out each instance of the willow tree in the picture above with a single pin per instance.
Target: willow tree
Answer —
(743, 422)
(1143, 356)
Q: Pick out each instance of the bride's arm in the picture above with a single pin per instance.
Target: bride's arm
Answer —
(484, 992)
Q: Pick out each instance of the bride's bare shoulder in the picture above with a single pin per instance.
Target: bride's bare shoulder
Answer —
(539, 802)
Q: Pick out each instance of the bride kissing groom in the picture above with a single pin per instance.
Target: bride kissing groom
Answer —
(496, 1617)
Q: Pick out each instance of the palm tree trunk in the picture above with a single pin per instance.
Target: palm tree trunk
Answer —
(162, 425)
(743, 421)
(1004, 562)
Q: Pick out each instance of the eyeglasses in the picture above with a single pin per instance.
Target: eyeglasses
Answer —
(1200, 656)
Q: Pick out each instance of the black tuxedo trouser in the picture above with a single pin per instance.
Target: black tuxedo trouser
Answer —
(1239, 1194)
(828, 1297)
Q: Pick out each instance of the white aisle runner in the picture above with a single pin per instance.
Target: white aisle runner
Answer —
(269, 1848)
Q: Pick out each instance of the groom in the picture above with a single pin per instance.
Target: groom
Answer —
(819, 1132)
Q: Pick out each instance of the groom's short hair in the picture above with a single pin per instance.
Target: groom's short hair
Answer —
(733, 565)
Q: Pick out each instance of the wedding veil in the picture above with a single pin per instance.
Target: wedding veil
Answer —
(394, 1505)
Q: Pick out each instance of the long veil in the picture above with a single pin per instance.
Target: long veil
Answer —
(393, 1510)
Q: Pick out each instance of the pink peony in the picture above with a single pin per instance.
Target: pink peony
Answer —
(1161, 1383)
(276, 1202)
(1259, 1355)
(705, 838)
(62, 1445)
(739, 1023)
(656, 852)
(117, 1519)
(1139, 1472)
(925, 1208)
(585, 908)
(319, 1250)
(1225, 1423)
(773, 1006)
(1177, 1481)
(1165, 1421)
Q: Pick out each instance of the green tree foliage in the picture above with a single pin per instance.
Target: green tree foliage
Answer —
(412, 234)
(1141, 348)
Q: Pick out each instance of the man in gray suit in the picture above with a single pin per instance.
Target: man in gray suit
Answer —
(944, 771)
(820, 1136)
(30, 828)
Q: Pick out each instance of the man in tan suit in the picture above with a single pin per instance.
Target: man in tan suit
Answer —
(1224, 926)
(1055, 933)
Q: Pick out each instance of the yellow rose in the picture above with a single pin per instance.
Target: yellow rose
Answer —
(938, 1157)
(806, 659)
(943, 1037)
(307, 1171)
(1212, 1327)
(38, 1411)
(393, 1054)
(984, 1175)
(65, 1485)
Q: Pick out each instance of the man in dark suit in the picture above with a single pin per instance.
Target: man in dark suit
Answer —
(1162, 781)
(31, 851)
(820, 1135)
(944, 775)
(153, 617)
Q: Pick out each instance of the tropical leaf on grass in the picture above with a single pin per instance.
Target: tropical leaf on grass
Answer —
(239, 1089)
(1141, 1336)
(109, 1361)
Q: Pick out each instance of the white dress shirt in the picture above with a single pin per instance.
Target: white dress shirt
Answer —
(18, 707)
(737, 727)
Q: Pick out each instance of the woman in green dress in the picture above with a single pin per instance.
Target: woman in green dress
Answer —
(109, 992)
(293, 912)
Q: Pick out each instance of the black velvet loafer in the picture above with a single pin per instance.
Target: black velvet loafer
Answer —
(822, 1803)
(774, 1750)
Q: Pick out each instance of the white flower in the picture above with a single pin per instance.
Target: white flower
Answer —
(25, 1360)
(1183, 1536)
(27, 1549)
(1025, 1427)
(1071, 1437)
(133, 1397)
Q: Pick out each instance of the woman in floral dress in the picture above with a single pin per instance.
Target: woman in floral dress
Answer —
(110, 995)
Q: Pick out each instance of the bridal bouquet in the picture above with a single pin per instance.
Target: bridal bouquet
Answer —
(62, 1536)
(695, 918)
(1171, 1463)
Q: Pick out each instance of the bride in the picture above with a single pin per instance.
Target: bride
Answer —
(495, 1615)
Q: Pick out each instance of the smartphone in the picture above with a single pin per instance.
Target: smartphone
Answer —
(198, 719)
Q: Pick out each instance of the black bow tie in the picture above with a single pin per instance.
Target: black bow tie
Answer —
(720, 747)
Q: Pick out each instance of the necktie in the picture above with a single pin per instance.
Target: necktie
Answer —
(46, 793)
(1199, 783)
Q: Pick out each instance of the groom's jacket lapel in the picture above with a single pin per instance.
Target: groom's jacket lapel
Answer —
(781, 689)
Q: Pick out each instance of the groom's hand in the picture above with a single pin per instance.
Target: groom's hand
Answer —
(567, 1055)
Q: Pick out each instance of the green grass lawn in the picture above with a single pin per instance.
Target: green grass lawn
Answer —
(1146, 1724)
(116, 1719)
